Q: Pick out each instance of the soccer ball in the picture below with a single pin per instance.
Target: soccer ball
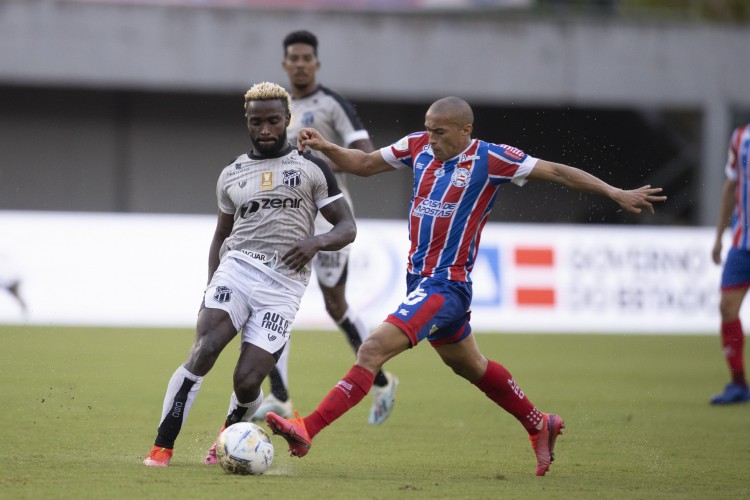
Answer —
(244, 448)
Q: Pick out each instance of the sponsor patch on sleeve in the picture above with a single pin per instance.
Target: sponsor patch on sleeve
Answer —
(511, 153)
(402, 145)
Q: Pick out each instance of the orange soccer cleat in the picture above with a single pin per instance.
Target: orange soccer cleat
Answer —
(293, 430)
(158, 457)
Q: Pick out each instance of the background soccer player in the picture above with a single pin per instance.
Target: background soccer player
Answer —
(319, 107)
(456, 180)
(735, 278)
(258, 262)
(10, 281)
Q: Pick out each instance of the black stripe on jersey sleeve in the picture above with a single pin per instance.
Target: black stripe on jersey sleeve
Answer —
(333, 186)
(347, 106)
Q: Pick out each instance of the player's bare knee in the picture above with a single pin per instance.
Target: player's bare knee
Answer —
(246, 384)
(729, 309)
(459, 370)
(203, 354)
(468, 369)
(371, 354)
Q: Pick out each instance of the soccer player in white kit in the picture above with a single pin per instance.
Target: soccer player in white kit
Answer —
(318, 107)
(258, 262)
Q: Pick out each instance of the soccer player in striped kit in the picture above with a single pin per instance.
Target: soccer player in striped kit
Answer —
(735, 279)
(318, 107)
(456, 180)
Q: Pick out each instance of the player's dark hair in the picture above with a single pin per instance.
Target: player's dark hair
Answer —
(301, 36)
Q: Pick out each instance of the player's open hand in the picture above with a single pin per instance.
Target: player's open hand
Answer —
(716, 251)
(300, 254)
(311, 138)
(635, 200)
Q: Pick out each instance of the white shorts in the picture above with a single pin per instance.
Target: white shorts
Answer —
(329, 266)
(260, 306)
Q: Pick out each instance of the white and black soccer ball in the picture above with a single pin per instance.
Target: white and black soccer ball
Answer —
(244, 448)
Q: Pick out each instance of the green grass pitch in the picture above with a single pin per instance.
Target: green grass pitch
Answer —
(80, 408)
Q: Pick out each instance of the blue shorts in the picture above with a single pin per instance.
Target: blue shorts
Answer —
(434, 309)
(736, 272)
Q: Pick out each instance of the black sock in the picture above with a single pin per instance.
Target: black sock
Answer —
(380, 379)
(352, 335)
(235, 416)
(278, 389)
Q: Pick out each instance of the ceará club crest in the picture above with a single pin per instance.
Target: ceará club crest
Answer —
(292, 178)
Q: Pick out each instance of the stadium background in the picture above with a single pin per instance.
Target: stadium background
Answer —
(133, 107)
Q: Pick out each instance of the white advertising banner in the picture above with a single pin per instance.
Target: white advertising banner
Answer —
(150, 270)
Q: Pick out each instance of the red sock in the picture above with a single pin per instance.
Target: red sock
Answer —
(733, 341)
(498, 384)
(348, 392)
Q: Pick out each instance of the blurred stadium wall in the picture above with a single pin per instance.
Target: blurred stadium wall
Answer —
(135, 106)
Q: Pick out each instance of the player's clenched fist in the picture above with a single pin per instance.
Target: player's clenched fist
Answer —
(309, 137)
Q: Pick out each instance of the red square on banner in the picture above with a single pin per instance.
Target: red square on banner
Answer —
(538, 256)
(535, 296)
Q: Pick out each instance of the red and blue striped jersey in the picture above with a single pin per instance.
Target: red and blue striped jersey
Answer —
(737, 169)
(451, 200)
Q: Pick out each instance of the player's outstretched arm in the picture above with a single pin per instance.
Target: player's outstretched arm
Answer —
(632, 200)
(353, 161)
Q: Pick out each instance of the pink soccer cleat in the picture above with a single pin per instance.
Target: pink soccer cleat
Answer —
(543, 442)
(211, 455)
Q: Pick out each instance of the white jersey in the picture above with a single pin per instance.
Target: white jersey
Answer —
(334, 117)
(274, 202)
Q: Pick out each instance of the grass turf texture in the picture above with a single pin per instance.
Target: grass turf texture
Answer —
(81, 407)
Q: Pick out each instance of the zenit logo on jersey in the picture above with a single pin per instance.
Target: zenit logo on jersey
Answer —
(268, 203)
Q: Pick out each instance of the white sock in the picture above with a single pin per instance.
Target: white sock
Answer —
(252, 406)
(179, 378)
